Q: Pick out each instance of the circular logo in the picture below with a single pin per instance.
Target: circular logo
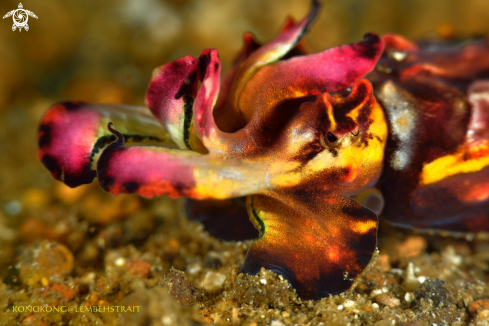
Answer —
(20, 17)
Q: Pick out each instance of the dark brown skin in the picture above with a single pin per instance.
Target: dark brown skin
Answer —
(437, 105)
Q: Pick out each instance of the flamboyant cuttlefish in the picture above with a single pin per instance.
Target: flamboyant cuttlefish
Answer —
(305, 138)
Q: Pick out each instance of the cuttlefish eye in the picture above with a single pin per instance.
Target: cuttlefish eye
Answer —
(328, 139)
(331, 138)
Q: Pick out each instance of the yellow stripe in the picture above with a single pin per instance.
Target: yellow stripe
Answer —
(450, 165)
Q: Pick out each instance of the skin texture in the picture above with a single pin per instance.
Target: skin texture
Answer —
(72, 133)
(302, 139)
(436, 170)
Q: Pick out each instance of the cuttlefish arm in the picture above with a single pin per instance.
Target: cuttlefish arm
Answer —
(273, 51)
(72, 133)
(170, 97)
(154, 171)
(342, 66)
(332, 70)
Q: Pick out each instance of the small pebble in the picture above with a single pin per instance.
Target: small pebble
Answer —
(409, 296)
(450, 256)
(422, 279)
(139, 267)
(482, 317)
(477, 305)
(387, 300)
(120, 262)
(411, 283)
(194, 268)
(213, 281)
